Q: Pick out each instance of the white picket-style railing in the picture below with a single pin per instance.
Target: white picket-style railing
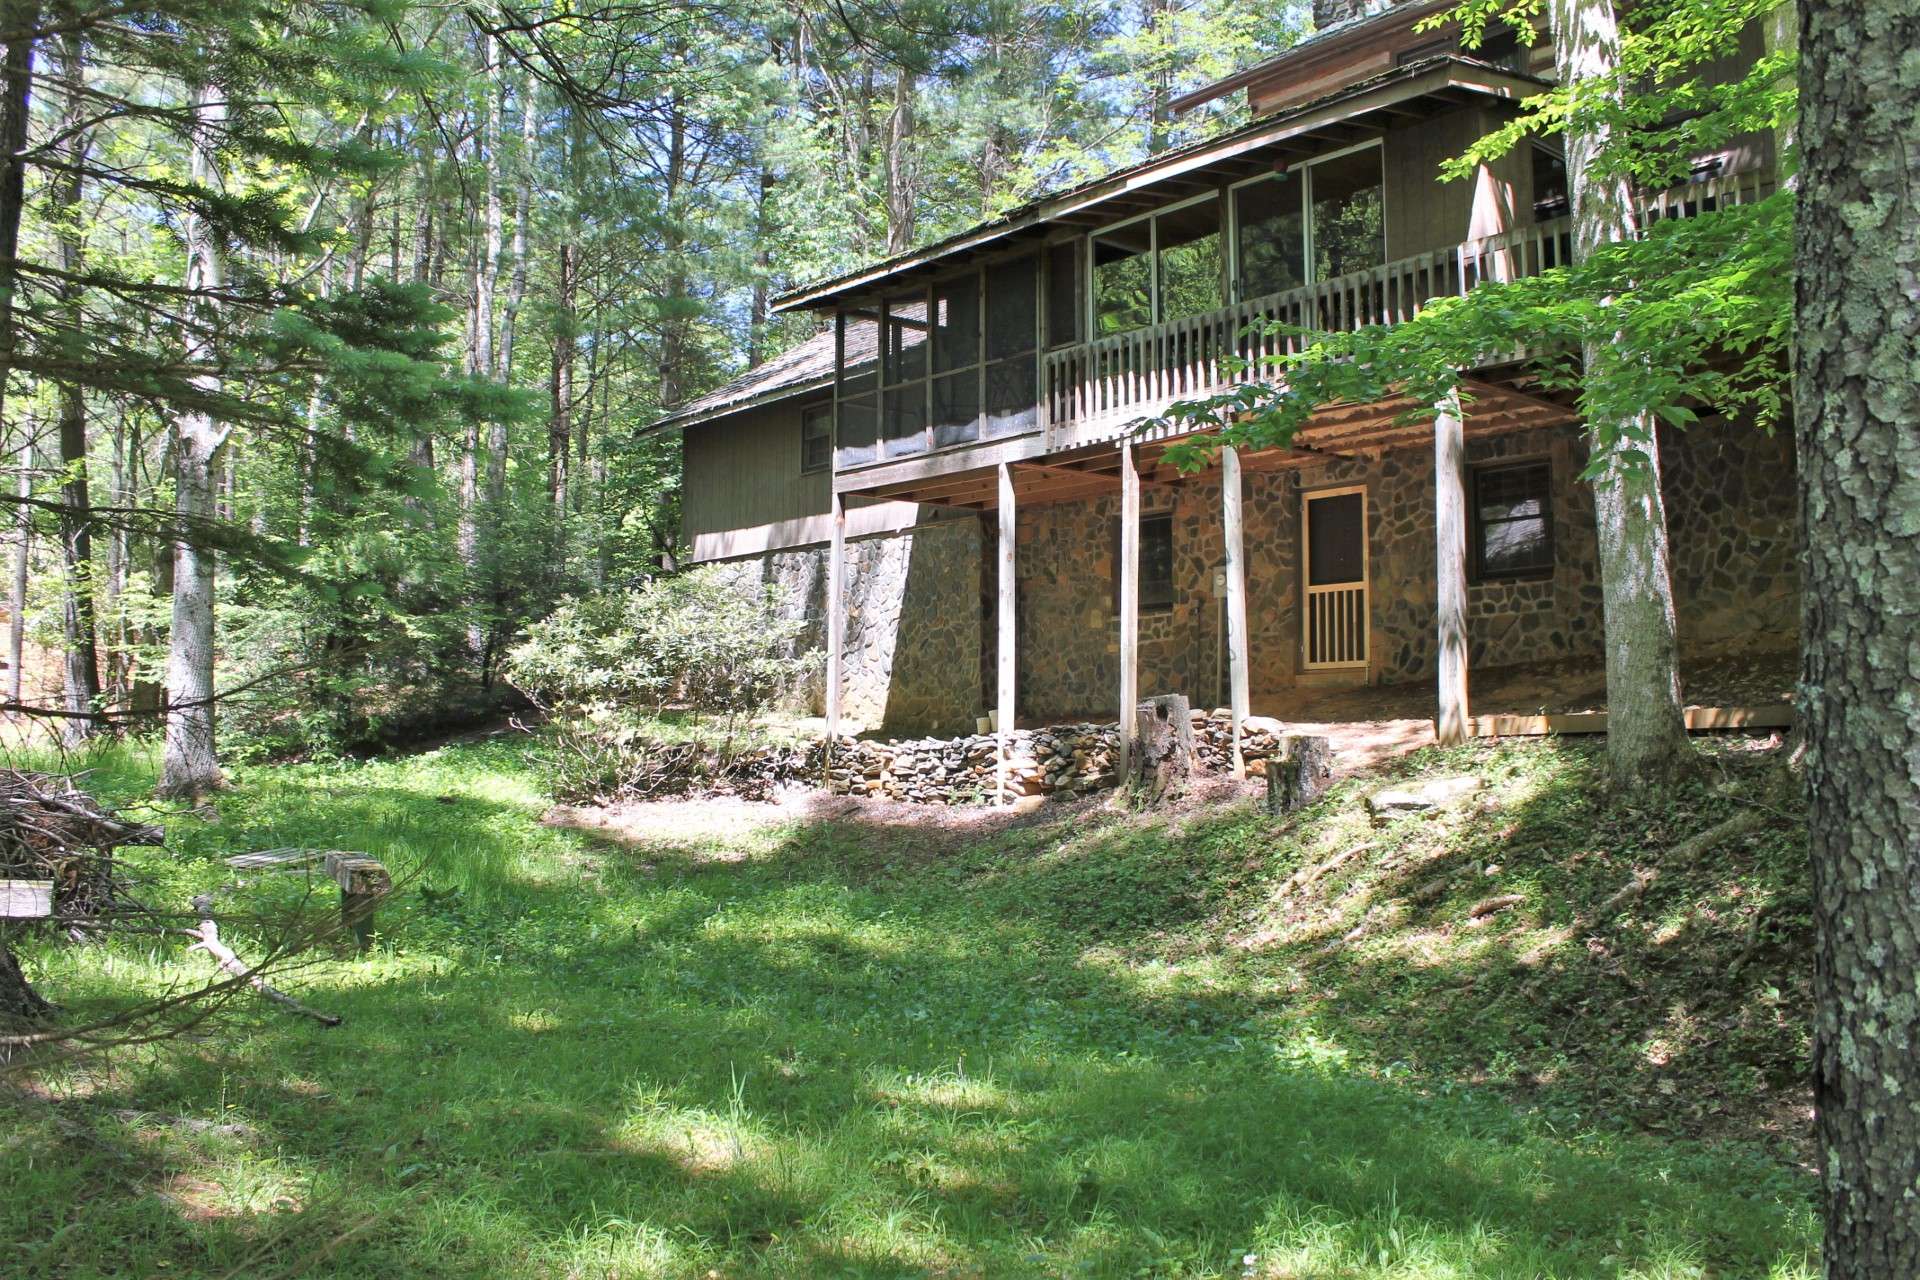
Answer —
(1116, 381)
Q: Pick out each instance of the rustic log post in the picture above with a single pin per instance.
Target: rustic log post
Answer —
(1004, 653)
(1163, 755)
(1129, 571)
(836, 618)
(1238, 699)
(1298, 772)
(1451, 726)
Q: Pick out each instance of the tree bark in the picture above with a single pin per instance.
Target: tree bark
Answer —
(16, 101)
(22, 564)
(1646, 727)
(560, 390)
(1857, 423)
(189, 764)
(18, 1001)
(82, 660)
(901, 167)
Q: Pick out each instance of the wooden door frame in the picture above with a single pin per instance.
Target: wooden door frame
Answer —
(1307, 499)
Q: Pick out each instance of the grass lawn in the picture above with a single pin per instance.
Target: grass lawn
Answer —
(843, 1048)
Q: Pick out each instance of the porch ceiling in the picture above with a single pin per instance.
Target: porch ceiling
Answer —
(1502, 401)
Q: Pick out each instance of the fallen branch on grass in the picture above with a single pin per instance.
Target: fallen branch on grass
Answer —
(1307, 875)
(208, 935)
(1489, 906)
(1687, 850)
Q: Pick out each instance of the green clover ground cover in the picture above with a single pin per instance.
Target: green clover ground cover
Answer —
(841, 1048)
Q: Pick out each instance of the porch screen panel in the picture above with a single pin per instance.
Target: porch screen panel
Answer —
(1012, 383)
(1271, 234)
(903, 397)
(1348, 215)
(857, 403)
(956, 361)
(1064, 302)
(1123, 278)
(1192, 268)
(1336, 538)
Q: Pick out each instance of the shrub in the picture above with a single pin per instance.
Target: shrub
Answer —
(632, 680)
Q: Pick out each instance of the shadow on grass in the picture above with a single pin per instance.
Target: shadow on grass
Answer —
(850, 1054)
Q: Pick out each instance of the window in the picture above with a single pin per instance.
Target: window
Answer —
(816, 437)
(1156, 564)
(1272, 236)
(1318, 220)
(1158, 268)
(1549, 184)
(1512, 521)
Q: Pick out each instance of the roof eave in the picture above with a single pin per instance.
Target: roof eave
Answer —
(1311, 49)
(694, 416)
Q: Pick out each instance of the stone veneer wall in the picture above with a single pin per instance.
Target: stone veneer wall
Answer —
(920, 646)
(1069, 635)
(913, 623)
(1733, 524)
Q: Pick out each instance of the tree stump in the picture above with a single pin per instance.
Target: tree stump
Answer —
(1298, 772)
(363, 882)
(19, 1002)
(1163, 747)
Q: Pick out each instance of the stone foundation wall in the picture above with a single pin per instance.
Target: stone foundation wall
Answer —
(1069, 630)
(1063, 759)
(1733, 525)
(921, 605)
(913, 623)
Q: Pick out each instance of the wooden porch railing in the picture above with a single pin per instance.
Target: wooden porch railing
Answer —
(1117, 380)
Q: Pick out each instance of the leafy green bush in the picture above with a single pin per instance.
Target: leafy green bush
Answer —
(652, 691)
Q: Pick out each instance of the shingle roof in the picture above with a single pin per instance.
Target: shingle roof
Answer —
(805, 367)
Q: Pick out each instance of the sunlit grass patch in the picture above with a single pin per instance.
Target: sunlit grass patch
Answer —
(788, 1051)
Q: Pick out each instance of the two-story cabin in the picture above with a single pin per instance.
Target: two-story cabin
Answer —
(950, 482)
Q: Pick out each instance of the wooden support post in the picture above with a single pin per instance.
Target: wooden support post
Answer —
(1004, 649)
(836, 618)
(1129, 571)
(1453, 724)
(1239, 699)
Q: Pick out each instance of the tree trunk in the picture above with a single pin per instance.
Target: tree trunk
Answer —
(189, 765)
(496, 485)
(76, 507)
(560, 389)
(18, 1001)
(1857, 423)
(16, 91)
(22, 563)
(900, 165)
(1646, 728)
(522, 211)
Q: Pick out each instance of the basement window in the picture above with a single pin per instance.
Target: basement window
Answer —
(1512, 521)
(1156, 564)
